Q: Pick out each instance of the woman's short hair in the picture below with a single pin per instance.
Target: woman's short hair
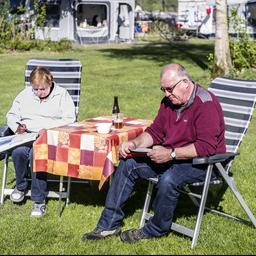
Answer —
(41, 75)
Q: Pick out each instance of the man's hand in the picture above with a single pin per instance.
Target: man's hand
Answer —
(125, 148)
(160, 154)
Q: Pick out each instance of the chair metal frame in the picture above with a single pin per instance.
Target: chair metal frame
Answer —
(66, 73)
(218, 161)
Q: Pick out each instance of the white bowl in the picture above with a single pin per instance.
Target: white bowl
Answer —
(103, 128)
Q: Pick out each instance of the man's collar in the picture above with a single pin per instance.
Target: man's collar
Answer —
(190, 100)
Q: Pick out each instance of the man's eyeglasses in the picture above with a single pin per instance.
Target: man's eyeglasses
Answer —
(170, 89)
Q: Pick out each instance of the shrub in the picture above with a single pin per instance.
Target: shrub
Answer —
(243, 52)
(242, 47)
(62, 45)
(17, 34)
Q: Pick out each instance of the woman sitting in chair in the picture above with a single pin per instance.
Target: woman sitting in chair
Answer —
(42, 105)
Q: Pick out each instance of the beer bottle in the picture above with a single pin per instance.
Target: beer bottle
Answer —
(115, 109)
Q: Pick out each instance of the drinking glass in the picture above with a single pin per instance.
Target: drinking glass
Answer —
(119, 121)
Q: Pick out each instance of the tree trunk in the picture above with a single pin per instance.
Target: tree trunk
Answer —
(222, 59)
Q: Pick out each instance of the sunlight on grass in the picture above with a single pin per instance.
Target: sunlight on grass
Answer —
(130, 71)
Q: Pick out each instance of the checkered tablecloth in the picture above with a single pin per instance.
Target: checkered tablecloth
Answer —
(77, 150)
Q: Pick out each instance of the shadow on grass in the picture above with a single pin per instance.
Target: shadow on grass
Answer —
(166, 52)
(89, 194)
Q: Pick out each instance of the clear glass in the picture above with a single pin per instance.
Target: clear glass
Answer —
(119, 121)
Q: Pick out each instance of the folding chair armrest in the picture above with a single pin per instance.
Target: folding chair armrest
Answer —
(214, 159)
(5, 131)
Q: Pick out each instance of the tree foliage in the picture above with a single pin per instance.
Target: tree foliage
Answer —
(162, 5)
(18, 33)
(243, 48)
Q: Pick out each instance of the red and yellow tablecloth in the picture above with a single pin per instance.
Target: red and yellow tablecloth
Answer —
(77, 150)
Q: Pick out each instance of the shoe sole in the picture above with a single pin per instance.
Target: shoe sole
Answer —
(100, 237)
(37, 216)
(126, 241)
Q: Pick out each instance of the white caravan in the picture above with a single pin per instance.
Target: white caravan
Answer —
(199, 16)
(84, 22)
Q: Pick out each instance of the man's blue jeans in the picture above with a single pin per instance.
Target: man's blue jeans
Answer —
(23, 164)
(172, 176)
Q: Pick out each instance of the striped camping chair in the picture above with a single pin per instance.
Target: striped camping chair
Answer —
(66, 73)
(237, 99)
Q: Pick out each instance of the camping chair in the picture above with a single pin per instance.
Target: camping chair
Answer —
(237, 99)
(66, 73)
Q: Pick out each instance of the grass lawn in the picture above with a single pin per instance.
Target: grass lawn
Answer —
(130, 71)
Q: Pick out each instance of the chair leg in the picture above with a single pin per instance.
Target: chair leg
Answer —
(60, 194)
(229, 180)
(202, 206)
(146, 204)
(179, 228)
(68, 191)
(4, 178)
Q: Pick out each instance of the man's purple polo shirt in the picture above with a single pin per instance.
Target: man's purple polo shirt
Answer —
(200, 122)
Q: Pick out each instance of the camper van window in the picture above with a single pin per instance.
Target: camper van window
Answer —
(52, 15)
(15, 5)
(93, 14)
(251, 13)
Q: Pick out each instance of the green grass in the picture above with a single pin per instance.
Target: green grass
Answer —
(130, 71)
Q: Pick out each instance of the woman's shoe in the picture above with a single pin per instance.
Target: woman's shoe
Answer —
(17, 196)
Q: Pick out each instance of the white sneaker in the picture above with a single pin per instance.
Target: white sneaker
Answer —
(17, 196)
(38, 210)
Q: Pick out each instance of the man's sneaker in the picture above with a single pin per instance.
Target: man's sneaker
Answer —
(17, 196)
(133, 235)
(38, 210)
(99, 233)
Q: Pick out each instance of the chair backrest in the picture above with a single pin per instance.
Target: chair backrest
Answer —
(66, 73)
(237, 98)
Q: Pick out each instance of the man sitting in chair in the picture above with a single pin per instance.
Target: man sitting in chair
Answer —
(39, 106)
(189, 124)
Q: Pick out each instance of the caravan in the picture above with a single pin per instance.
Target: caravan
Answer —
(199, 16)
(84, 21)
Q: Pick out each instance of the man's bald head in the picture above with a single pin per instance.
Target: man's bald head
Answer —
(174, 71)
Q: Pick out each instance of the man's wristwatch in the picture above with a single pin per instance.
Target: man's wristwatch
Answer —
(173, 154)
